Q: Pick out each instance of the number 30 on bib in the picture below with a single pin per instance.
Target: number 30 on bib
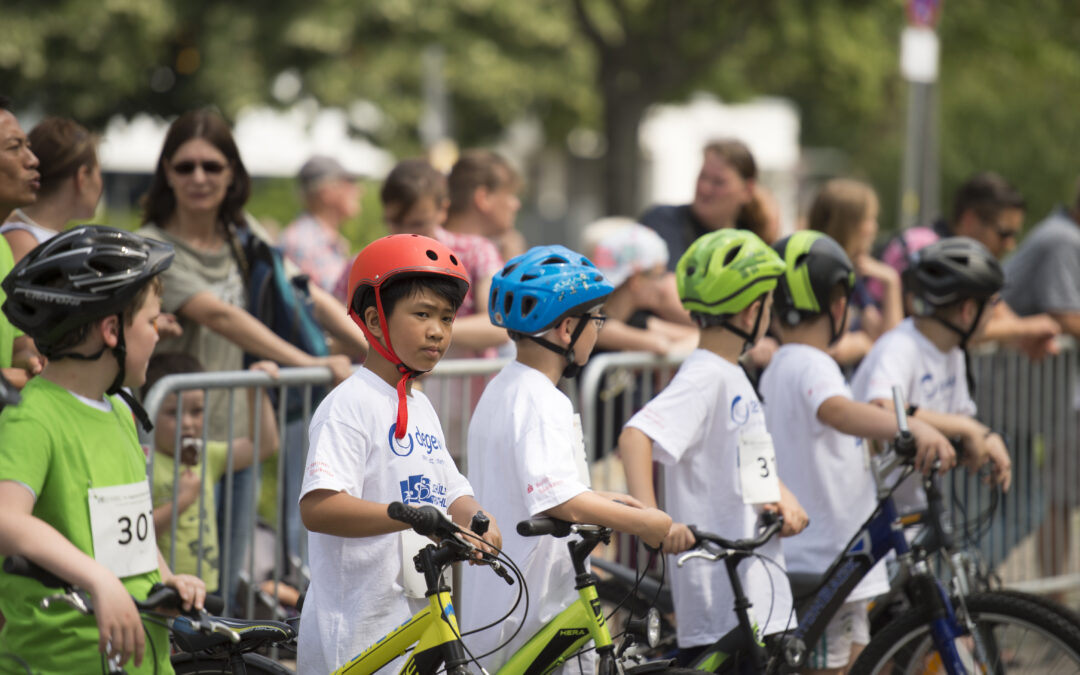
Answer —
(757, 468)
(122, 524)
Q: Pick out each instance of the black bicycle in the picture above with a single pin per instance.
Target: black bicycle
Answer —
(206, 643)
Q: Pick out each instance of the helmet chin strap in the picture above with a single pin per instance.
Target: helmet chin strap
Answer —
(965, 335)
(571, 369)
(388, 353)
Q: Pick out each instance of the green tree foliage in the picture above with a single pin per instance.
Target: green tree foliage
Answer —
(1010, 79)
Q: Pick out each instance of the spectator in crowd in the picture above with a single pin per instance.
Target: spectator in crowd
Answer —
(634, 259)
(313, 241)
(1044, 277)
(989, 210)
(723, 197)
(196, 527)
(484, 200)
(196, 203)
(70, 180)
(847, 211)
(19, 183)
(414, 201)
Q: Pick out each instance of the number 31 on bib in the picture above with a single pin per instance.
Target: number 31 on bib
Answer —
(757, 468)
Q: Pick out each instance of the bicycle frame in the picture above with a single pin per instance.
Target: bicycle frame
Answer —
(880, 534)
(564, 636)
(434, 631)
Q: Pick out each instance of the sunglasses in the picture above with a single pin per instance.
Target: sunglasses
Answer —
(187, 167)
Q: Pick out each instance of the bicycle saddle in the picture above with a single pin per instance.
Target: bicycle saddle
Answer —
(253, 634)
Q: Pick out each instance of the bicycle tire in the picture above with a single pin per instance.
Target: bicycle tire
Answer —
(254, 664)
(1022, 636)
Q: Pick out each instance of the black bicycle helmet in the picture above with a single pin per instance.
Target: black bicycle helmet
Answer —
(78, 276)
(815, 265)
(949, 271)
(75, 278)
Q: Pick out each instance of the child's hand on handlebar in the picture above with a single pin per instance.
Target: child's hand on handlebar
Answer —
(679, 538)
(795, 518)
(120, 628)
(191, 588)
(931, 446)
(492, 538)
(993, 450)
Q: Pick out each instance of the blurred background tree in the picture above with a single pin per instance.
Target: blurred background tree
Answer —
(1009, 87)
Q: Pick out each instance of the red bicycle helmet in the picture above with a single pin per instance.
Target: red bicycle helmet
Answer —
(397, 257)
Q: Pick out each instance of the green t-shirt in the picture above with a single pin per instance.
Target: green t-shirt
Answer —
(59, 447)
(8, 333)
(187, 522)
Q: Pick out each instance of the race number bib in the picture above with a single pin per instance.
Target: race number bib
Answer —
(757, 468)
(122, 525)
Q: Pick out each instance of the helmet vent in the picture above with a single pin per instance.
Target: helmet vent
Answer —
(801, 260)
(528, 303)
(528, 277)
(555, 260)
(509, 268)
(432, 254)
(453, 260)
(731, 255)
(508, 301)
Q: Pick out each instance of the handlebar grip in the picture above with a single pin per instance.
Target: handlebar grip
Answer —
(480, 524)
(17, 564)
(425, 520)
(535, 527)
(214, 604)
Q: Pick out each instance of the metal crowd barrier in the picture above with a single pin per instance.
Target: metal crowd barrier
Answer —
(1031, 403)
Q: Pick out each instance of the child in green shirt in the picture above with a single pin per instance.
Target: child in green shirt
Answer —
(74, 497)
(195, 554)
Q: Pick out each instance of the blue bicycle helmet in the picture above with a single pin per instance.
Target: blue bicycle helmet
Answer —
(543, 286)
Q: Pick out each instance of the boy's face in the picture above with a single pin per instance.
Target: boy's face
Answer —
(586, 342)
(191, 424)
(423, 218)
(140, 337)
(420, 329)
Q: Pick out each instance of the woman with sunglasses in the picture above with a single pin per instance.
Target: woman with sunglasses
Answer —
(196, 203)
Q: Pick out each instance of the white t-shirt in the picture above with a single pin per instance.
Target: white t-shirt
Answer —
(356, 594)
(695, 423)
(526, 455)
(929, 378)
(827, 470)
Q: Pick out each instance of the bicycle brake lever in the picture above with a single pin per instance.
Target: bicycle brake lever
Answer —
(222, 629)
(74, 599)
(699, 553)
(501, 571)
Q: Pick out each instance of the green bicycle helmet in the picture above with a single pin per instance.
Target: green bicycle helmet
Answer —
(723, 273)
(815, 265)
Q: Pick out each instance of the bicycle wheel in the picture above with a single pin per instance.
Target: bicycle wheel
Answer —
(1018, 637)
(254, 664)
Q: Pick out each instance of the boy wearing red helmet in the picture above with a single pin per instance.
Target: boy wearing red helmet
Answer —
(374, 440)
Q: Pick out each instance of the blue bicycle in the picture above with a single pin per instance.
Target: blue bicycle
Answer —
(942, 633)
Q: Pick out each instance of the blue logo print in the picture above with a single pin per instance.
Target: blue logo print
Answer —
(742, 408)
(404, 447)
(401, 447)
(419, 489)
(931, 389)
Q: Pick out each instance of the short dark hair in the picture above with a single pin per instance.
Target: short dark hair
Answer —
(478, 169)
(75, 336)
(394, 290)
(987, 194)
(410, 181)
(160, 202)
(5, 102)
(169, 363)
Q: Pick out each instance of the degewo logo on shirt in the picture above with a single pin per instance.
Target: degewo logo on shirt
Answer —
(403, 447)
(931, 389)
(742, 408)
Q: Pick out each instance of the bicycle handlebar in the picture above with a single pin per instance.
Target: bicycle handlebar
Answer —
(773, 521)
(160, 597)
